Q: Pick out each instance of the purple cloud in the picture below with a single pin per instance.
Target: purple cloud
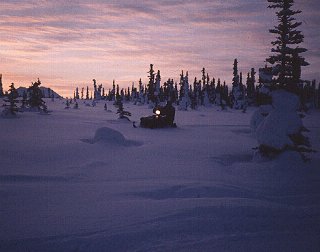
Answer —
(69, 43)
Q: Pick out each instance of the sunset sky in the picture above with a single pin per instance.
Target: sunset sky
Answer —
(68, 43)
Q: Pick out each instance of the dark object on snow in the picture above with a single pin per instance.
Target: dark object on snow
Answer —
(11, 108)
(134, 124)
(122, 113)
(35, 97)
(270, 152)
(299, 139)
(164, 117)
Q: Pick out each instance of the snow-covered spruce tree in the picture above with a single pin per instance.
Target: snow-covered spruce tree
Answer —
(103, 94)
(206, 98)
(286, 61)
(122, 113)
(151, 86)
(82, 92)
(250, 83)
(237, 94)
(1, 88)
(97, 90)
(94, 89)
(218, 92)
(141, 96)
(24, 101)
(184, 92)
(11, 109)
(122, 94)
(118, 97)
(197, 94)
(112, 92)
(282, 129)
(87, 93)
(67, 104)
(157, 87)
(35, 101)
(76, 105)
(76, 94)
(205, 88)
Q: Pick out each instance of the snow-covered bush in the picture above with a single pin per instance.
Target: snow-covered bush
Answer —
(10, 108)
(259, 115)
(123, 114)
(35, 101)
(76, 105)
(282, 128)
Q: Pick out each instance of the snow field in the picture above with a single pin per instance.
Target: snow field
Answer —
(82, 180)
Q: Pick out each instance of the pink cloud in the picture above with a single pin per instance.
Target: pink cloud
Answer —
(68, 43)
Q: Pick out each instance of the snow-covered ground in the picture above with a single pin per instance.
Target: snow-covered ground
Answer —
(82, 180)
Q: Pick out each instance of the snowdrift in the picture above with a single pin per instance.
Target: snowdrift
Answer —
(195, 188)
(108, 136)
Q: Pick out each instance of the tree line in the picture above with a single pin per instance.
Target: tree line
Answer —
(284, 72)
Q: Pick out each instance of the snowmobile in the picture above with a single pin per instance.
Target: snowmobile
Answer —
(158, 120)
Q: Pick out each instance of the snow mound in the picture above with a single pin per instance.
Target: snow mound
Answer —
(107, 135)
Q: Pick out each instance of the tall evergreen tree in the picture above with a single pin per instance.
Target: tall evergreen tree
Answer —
(203, 71)
(235, 80)
(112, 92)
(96, 90)
(184, 92)
(1, 88)
(118, 97)
(82, 91)
(286, 61)
(141, 99)
(11, 108)
(237, 94)
(157, 87)
(151, 85)
(77, 93)
(250, 83)
(87, 93)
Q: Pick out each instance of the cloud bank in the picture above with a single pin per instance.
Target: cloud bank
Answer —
(68, 43)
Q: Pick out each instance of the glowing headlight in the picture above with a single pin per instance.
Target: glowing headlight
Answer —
(157, 112)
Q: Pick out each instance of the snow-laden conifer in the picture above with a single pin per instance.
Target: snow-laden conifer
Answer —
(10, 108)
(282, 129)
(286, 59)
(35, 101)
(184, 92)
(1, 88)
